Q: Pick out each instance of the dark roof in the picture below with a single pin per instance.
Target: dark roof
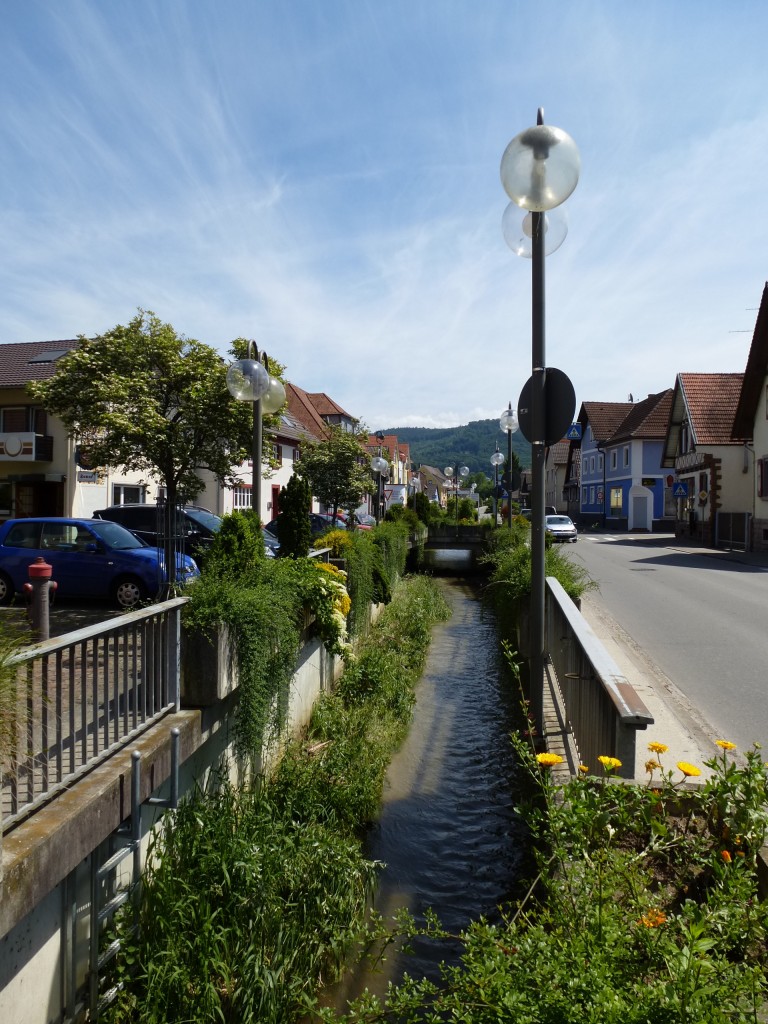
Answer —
(325, 405)
(754, 374)
(646, 420)
(301, 408)
(21, 362)
(603, 417)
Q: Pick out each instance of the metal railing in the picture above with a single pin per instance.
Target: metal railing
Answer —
(602, 708)
(80, 697)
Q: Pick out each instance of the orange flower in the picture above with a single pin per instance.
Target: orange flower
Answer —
(653, 918)
(689, 770)
(726, 856)
(658, 748)
(583, 769)
(725, 744)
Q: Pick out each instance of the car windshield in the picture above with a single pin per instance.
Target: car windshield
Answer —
(115, 536)
(558, 521)
(204, 518)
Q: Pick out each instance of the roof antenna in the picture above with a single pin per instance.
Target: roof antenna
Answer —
(629, 397)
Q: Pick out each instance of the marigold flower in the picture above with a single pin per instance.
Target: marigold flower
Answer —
(583, 769)
(725, 744)
(658, 748)
(653, 918)
(689, 770)
(726, 856)
(609, 763)
(651, 766)
(549, 760)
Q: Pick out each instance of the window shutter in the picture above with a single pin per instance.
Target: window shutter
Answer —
(760, 471)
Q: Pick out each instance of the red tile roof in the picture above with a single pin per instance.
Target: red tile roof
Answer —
(604, 417)
(325, 405)
(711, 400)
(302, 409)
(559, 453)
(646, 420)
(25, 361)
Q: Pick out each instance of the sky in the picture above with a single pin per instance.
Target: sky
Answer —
(323, 176)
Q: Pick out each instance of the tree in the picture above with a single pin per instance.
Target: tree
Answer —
(295, 531)
(143, 398)
(337, 470)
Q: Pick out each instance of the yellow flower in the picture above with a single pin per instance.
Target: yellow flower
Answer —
(549, 760)
(609, 763)
(688, 769)
(583, 769)
(653, 918)
(726, 744)
(658, 748)
(651, 766)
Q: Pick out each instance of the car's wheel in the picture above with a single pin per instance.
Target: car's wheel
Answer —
(128, 592)
(6, 589)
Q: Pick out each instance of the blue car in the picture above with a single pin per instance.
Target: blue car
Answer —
(90, 558)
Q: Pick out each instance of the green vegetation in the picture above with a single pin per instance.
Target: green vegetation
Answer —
(644, 909)
(473, 443)
(295, 530)
(337, 469)
(252, 898)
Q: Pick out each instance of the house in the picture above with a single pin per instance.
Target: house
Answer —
(622, 479)
(555, 467)
(750, 422)
(713, 470)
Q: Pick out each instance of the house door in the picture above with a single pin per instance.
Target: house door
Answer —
(640, 518)
(39, 499)
(275, 500)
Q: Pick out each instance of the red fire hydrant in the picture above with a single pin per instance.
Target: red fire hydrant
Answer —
(39, 591)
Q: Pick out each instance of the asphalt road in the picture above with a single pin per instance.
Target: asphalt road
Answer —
(700, 616)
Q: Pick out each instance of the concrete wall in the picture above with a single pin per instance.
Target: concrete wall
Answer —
(45, 891)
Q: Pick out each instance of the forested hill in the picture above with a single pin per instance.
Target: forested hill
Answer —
(471, 445)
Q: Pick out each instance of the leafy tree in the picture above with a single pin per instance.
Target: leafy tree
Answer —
(143, 398)
(420, 504)
(295, 531)
(337, 470)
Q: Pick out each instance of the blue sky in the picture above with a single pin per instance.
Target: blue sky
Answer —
(323, 176)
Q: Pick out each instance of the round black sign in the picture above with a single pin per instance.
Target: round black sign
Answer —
(559, 406)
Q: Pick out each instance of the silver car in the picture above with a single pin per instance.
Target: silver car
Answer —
(561, 528)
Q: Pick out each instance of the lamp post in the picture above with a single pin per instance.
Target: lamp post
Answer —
(539, 170)
(508, 423)
(459, 473)
(496, 460)
(249, 380)
(379, 466)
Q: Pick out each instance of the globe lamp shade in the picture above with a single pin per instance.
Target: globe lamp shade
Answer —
(508, 421)
(273, 398)
(540, 168)
(247, 380)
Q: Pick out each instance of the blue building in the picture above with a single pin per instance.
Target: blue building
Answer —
(623, 484)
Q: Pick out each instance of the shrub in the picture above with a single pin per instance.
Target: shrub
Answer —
(295, 530)
(237, 549)
(421, 505)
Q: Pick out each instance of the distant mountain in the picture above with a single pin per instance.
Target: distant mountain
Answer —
(471, 445)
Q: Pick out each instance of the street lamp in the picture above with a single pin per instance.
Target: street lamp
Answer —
(459, 473)
(539, 170)
(249, 380)
(380, 466)
(508, 423)
(496, 460)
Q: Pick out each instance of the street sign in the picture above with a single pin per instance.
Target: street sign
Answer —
(574, 432)
(559, 406)
(680, 490)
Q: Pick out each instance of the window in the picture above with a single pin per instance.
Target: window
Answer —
(591, 495)
(22, 419)
(590, 436)
(241, 497)
(128, 494)
(762, 477)
(614, 459)
(277, 453)
(626, 457)
(583, 495)
(6, 496)
(592, 464)
(600, 462)
(616, 501)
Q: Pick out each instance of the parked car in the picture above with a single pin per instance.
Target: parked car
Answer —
(319, 524)
(90, 558)
(560, 528)
(549, 510)
(360, 522)
(195, 527)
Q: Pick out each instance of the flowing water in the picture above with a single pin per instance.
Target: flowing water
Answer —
(448, 833)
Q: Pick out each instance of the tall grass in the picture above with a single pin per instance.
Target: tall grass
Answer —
(252, 897)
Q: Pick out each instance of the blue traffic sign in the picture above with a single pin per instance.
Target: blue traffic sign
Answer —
(680, 490)
(574, 432)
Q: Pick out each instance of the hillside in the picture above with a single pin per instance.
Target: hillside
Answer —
(472, 445)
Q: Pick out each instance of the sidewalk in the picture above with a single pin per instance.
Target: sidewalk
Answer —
(677, 723)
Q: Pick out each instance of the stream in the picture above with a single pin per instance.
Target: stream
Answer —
(448, 833)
